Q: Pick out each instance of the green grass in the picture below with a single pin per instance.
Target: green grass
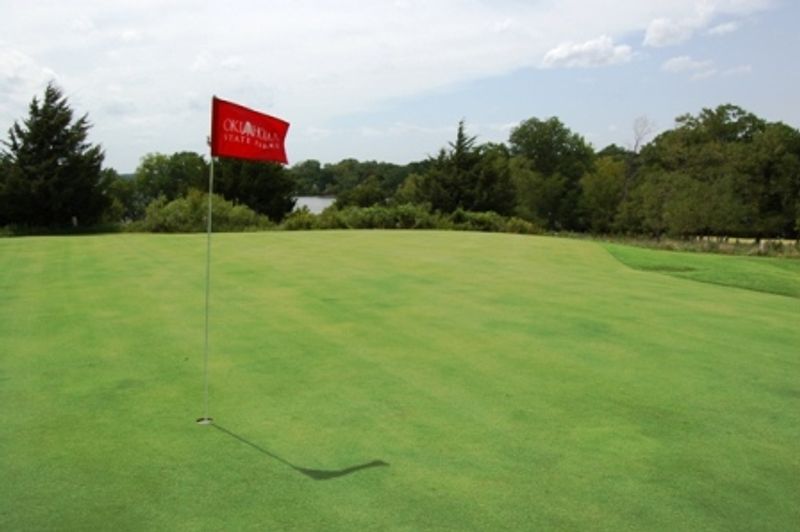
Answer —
(771, 275)
(509, 382)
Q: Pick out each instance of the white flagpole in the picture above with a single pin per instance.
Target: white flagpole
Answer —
(206, 419)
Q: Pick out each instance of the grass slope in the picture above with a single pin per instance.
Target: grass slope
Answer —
(763, 274)
(508, 382)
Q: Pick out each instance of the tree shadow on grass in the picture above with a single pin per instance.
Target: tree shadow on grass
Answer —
(316, 474)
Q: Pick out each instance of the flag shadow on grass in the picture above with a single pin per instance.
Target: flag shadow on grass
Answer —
(316, 474)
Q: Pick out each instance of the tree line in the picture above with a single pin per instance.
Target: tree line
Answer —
(723, 172)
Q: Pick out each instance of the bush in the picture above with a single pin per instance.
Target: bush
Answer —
(410, 216)
(188, 215)
(406, 216)
(522, 227)
(478, 221)
(301, 219)
(375, 217)
(331, 218)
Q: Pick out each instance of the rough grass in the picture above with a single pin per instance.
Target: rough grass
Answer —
(771, 275)
(391, 380)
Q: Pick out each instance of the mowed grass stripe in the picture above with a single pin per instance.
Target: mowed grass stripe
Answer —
(509, 381)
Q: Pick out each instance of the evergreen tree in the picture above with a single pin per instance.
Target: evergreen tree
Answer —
(468, 177)
(51, 175)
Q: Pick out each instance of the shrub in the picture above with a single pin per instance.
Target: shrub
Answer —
(478, 221)
(188, 215)
(522, 227)
(331, 218)
(410, 216)
(301, 219)
(406, 216)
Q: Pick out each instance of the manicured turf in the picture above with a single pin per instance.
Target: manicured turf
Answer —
(392, 380)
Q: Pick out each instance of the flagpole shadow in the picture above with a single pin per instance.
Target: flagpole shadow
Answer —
(316, 474)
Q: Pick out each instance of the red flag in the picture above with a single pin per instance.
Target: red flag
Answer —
(242, 133)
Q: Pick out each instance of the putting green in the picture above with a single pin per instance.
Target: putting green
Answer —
(391, 380)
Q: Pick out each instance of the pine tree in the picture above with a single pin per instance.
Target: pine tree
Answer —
(51, 176)
(468, 177)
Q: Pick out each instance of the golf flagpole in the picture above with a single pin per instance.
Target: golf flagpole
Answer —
(206, 419)
(240, 133)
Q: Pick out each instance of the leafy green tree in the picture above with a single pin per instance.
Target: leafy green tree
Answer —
(647, 205)
(494, 190)
(744, 172)
(730, 209)
(171, 176)
(725, 124)
(349, 174)
(409, 190)
(529, 192)
(51, 174)
(115, 212)
(602, 192)
(311, 178)
(684, 209)
(152, 178)
(346, 174)
(365, 194)
(671, 203)
(544, 200)
(552, 162)
(552, 148)
(797, 222)
(615, 152)
(773, 164)
(264, 187)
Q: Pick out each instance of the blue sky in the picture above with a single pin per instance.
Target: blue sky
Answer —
(390, 79)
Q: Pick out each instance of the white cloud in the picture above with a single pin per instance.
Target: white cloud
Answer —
(82, 24)
(233, 62)
(503, 25)
(504, 127)
(20, 77)
(741, 70)
(593, 53)
(724, 29)
(669, 31)
(306, 60)
(699, 70)
(665, 32)
(200, 63)
(704, 74)
(316, 133)
(403, 129)
(130, 36)
(685, 63)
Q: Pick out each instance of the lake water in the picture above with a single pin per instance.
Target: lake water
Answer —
(315, 204)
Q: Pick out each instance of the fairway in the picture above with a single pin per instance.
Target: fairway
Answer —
(394, 381)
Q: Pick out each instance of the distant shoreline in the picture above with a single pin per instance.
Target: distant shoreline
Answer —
(315, 204)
